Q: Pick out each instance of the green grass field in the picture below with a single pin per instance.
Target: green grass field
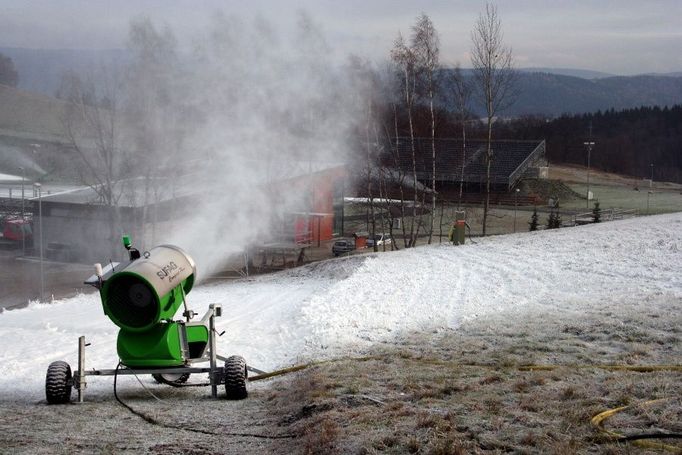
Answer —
(661, 200)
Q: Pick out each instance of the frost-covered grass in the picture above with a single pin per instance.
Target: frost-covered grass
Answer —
(466, 390)
(661, 200)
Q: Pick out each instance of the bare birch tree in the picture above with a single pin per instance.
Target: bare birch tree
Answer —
(426, 48)
(399, 174)
(156, 117)
(495, 79)
(90, 123)
(405, 61)
(461, 91)
(365, 86)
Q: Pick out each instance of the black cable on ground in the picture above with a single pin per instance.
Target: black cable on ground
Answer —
(153, 421)
(635, 437)
(144, 417)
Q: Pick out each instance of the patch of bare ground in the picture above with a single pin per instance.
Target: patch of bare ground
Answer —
(470, 390)
(574, 173)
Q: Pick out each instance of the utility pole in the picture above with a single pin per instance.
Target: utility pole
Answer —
(589, 144)
(23, 214)
(40, 226)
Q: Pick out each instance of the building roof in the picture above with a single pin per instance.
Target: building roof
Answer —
(9, 178)
(131, 192)
(510, 158)
(134, 192)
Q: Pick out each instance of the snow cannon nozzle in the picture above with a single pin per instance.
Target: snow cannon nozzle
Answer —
(133, 253)
(144, 294)
(142, 298)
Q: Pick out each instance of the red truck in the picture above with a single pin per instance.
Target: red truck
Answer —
(16, 230)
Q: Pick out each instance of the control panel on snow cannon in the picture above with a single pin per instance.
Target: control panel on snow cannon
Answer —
(142, 297)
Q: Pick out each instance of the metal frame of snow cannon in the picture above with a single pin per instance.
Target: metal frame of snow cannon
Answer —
(216, 373)
(135, 331)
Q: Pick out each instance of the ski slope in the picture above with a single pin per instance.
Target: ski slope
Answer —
(343, 306)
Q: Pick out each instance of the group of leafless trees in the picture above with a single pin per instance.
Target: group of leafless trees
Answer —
(126, 128)
(417, 86)
(138, 124)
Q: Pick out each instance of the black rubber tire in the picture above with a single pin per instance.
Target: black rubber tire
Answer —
(174, 379)
(235, 378)
(58, 383)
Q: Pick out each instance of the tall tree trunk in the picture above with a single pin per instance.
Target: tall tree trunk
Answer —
(464, 158)
(440, 224)
(371, 227)
(401, 178)
(380, 178)
(488, 161)
(414, 174)
(433, 162)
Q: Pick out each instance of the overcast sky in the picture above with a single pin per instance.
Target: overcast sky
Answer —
(613, 36)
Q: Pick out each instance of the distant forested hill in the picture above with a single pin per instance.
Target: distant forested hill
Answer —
(41, 70)
(552, 95)
(582, 73)
(549, 93)
(627, 142)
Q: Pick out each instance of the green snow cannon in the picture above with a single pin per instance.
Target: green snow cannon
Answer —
(142, 297)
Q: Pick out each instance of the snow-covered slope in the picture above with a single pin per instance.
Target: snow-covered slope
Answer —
(341, 306)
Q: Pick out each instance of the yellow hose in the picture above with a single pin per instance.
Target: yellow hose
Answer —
(598, 422)
(303, 366)
(538, 367)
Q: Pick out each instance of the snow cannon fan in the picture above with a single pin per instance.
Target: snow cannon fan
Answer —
(142, 297)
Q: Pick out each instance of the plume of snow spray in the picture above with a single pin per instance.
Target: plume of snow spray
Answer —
(246, 108)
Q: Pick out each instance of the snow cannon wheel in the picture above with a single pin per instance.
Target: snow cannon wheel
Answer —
(172, 379)
(235, 378)
(58, 383)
